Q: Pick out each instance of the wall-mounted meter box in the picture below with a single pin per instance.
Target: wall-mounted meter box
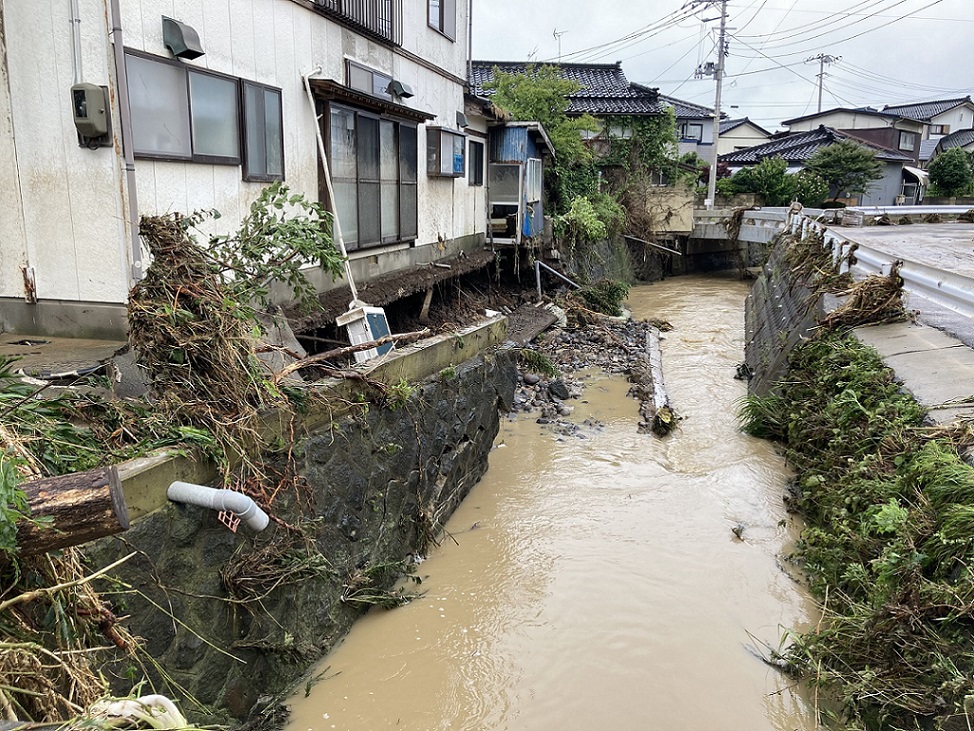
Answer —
(90, 105)
(364, 324)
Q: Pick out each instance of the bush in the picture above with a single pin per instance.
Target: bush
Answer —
(951, 174)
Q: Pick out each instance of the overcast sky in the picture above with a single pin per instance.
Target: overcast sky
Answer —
(892, 51)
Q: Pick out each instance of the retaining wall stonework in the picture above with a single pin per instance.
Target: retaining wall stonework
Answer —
(374, 479)
(778, 314)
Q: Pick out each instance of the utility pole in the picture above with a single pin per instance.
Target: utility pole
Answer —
(718, 73)
(822, 58)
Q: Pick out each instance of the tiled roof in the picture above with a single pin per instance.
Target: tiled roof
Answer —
(924, 111)
(853, 110)
(726, 125)
(604, 87)
(798, 147)
(960, 138)
(927, 148)
(684, 109)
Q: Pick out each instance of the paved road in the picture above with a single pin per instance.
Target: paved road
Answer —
(947, 246)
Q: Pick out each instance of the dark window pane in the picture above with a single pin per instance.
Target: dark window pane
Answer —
(407, 210)
(255, 137)
(368, 148)
(368, 213)
(407, 153)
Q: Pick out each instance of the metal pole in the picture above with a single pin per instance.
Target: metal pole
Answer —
(821, 78)
(712, 182)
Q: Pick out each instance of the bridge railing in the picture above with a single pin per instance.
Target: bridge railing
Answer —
(948, 289)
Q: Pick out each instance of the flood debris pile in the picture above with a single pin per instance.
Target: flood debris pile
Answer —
(616, 346)
(888, 501)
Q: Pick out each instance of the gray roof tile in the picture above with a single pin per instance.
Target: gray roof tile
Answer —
(798, 147)
(604, 87)
(923, 111)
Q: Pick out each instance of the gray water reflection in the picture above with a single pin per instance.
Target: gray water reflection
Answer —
(597, 584)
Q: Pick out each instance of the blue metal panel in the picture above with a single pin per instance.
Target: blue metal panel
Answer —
(509, 144)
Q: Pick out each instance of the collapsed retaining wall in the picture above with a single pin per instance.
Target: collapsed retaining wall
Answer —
(376, 482)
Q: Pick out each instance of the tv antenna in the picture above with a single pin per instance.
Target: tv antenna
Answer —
(557, 34)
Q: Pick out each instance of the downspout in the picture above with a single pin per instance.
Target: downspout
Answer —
(226, 500)
(75, 21)
(128, 153)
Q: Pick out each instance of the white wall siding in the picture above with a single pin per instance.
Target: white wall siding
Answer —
(71, 197)
(64, 207)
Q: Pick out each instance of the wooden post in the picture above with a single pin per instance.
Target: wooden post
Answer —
(663, 418)
(424, 313)
(75, 509)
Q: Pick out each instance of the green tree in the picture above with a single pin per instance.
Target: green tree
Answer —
(769, 179)
(846, 166)
(540, 94)
(950, 173)
(809, 189)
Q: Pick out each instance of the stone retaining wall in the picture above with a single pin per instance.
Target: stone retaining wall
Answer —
(376, 479)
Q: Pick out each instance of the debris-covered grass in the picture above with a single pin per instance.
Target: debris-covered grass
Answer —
(889, 541)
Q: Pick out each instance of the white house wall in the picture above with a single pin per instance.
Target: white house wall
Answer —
(740, 138)
(71, 225)
(958, 118)
(66, 222)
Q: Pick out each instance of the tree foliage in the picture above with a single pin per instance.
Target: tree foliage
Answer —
(771, 180)
(846, 166)
(951, 174)
(540, 94)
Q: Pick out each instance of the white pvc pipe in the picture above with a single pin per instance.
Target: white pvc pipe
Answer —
(229, 500)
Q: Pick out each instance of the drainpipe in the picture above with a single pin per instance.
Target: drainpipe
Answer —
(75, 21)
(228, 500)
(128, 153)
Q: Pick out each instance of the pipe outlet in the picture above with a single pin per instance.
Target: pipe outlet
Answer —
(229, 500)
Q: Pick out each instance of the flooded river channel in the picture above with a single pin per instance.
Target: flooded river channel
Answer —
(596, 583)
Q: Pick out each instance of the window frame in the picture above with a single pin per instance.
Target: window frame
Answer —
(685, 129)
(475, 162)
(434, 152)
(249, 176)
(409, 187)
(350, 64)
(911, 136)
(447, 10)
(201, 158)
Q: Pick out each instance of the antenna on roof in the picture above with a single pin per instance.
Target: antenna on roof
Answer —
(557, 34)
(533, 55)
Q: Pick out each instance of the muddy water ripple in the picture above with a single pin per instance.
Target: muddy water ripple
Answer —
(595, 583)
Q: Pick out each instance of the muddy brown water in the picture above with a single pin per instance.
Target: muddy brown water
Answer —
(596, 583)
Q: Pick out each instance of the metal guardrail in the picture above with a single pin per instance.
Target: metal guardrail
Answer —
(948, 289)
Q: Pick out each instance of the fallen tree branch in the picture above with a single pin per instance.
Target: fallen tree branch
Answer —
(347, 350)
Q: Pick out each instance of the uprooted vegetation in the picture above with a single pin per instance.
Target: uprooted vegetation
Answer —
(195, 329)
(888, 502)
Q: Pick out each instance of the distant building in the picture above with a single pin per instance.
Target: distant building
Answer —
(896, 185)
(739, 134)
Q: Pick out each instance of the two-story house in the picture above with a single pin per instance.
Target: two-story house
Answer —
(111, 109)
(885, 129)
(942, 117)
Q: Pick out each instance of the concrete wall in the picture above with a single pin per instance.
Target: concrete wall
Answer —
(63, 208)
(369, 475)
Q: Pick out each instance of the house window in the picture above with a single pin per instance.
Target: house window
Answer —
(940, 129)
(373, 167)
(532, 180)
(185, 113)
(443, 17)
(445, 153)
(691, 131)
(263, 133)
(475, 171)
(907, 140)
(366, 80)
